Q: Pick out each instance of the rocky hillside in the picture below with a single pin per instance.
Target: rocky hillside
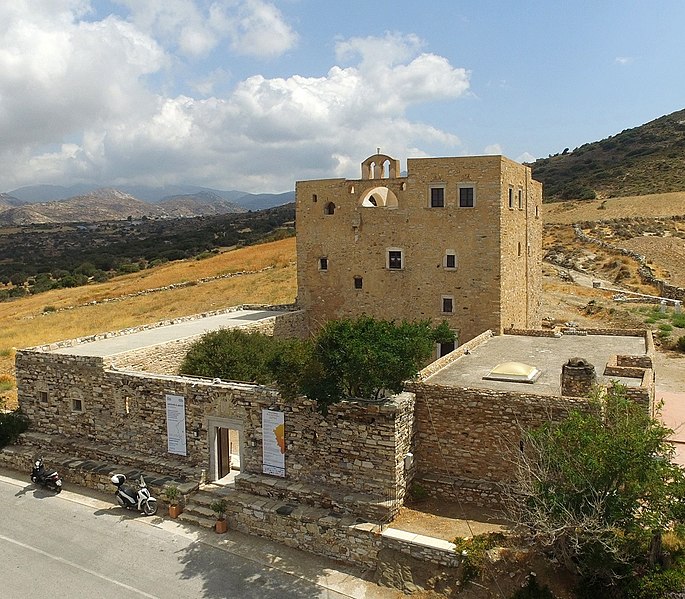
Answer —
(113, 205)
(644, 160)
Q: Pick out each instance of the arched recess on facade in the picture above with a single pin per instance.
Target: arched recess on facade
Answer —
(329, 208)
(379, 196)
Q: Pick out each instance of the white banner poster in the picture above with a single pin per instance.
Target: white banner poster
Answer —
(273, 443)
(176, 424)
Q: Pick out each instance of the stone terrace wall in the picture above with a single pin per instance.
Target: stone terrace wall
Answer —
(465, 434)
(358, 447)
(167, 358)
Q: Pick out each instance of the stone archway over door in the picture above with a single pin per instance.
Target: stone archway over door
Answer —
(225, 446)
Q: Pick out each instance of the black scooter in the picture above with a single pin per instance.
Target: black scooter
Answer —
(46, 478)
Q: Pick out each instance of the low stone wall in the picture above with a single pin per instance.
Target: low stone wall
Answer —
(358, 448)
(166, 358)
(469, 434)
(340, 538)
(647, 275)
(454, 355)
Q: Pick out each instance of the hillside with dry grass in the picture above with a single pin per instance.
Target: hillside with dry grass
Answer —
(262, 274)
(638, 161)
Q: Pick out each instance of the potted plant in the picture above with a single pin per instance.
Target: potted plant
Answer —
(219, 507)
(172, 495)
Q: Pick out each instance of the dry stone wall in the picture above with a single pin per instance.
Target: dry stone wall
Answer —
(167, 358)
(357, 447)
(465, 436)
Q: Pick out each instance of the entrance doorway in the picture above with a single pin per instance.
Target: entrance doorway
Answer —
(225, 449)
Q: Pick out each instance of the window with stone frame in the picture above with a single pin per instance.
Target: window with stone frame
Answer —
(323, 263)
(447, 304)
(395, 259)
(437, 195)
(467, 196)
(449, 261)
(358, 282)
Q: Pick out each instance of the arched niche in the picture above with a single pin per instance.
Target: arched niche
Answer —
(379, 196)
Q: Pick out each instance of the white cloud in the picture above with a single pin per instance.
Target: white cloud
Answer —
(526, 157)
(76, 103)
(255, 27)
(495, 149)
(624, 60)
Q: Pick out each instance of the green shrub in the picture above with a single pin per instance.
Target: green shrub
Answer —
(12, 424)
(47, 309)
(680, 343)
(474, 550)
(657, 584)
(667, 328)
(678, 320)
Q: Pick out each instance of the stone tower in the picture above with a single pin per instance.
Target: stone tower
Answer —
(456, 239)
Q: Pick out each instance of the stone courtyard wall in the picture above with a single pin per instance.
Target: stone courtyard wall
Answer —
(358, 447)
(167, 358)
(465, 436)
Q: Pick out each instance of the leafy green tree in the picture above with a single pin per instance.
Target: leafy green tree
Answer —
(232, 355)
(597, 489)
(363, 358)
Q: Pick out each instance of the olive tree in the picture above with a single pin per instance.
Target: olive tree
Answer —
(596, 490)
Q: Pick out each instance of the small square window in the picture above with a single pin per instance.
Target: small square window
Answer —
(450, 260)
(358, 282)
(437, 197)
(447, 304)
(395, 259)
(77, 405)
(466, 197)
(323, 263)
(43, 396)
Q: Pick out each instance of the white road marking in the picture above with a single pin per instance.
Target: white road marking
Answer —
(77, 567)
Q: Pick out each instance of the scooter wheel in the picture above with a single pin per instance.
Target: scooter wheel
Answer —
(149, 507)
(55, 488)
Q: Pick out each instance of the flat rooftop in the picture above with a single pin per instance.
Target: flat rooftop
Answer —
(548, 354)
(120, 344)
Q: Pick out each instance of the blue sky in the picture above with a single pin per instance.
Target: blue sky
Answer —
(256, 94)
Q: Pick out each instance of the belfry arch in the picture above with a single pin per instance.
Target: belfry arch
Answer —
(380, 166)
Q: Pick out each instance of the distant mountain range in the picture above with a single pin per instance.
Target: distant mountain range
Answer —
(642, 160)
(40, 204)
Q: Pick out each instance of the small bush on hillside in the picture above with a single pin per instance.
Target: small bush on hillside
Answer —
(678, 320)
(680, 343)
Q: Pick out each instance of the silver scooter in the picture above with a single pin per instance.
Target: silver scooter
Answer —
(134, 499)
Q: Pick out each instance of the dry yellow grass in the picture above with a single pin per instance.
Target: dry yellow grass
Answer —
(23, 323)
(648, 206)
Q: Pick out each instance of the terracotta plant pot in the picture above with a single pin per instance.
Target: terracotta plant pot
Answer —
(221, 526)
(175, 511)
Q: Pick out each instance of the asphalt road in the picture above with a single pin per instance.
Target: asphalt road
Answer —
(74, 545)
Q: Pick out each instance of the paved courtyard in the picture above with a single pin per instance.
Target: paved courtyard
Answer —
(164, 334)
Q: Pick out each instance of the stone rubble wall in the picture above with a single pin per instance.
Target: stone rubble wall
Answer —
(454, 355)
(647, 275)
(468, 434)
(354, 448)
(166, 358)
(160, 323)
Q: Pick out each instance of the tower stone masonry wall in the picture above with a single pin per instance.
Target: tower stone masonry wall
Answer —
(498, 249)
